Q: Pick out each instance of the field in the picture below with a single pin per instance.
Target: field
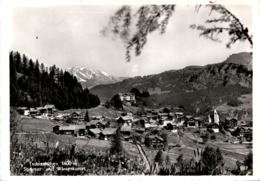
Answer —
(40, 131)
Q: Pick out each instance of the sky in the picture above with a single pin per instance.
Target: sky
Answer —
(70, 36)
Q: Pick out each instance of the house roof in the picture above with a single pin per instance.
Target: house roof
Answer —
(126, 129)
(139, 129)
(126, 94)
(72, 127)
(95, 131)
(47, 106)
(94, 122)
(189, 116)
(76, 113)
(127, 117)
(109, 131)
(156, 137)
(21, 108)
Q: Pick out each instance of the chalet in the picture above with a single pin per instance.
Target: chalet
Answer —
(23, 111)
(139, 130)
(98, 118)
(175, 129)
(213, 127)
(126, 130)
(125, 120)
(166, 122)
(156, 141)
(34, 112)
(108, 133)
(138, 124)
(96, 124)
(75, 115)
(189, 117)
(147, 125)
(191, 123)
(61, 116)
(201, 121)
(94, 132)
(49, 108)
(179, 114)
(230, 123)
(163, 115)
(128, 138)
(127, 97)
(180, 123)
(70, 130)
(245, 134)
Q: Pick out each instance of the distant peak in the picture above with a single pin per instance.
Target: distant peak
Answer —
(91, 77)
(242, 58)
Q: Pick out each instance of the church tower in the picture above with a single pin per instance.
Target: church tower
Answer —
(216, 117)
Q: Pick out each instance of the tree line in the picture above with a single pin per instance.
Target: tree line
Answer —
(32, 84)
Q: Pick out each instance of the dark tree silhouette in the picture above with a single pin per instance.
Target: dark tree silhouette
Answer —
(117, 147)
(212, 160)
(86, 118)
(133, 27)
(116, 102)
(159, 157)
(31, 85)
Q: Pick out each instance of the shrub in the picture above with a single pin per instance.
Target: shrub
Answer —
(234, 102)
(213, 137)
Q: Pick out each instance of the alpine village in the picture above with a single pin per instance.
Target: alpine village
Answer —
(192, 121)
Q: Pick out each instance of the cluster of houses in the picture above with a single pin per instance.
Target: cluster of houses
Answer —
(37, 112)
(141, 123)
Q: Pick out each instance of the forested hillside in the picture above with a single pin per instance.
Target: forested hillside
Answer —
(33, 84)
(196, 88)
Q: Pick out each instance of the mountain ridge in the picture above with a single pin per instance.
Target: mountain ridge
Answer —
(92, 77)
(195, 85)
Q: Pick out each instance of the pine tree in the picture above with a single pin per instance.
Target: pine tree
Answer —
(86, 118)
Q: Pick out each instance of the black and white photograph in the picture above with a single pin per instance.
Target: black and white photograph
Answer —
(131, 89)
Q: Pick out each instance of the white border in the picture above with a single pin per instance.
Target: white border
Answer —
(5, 40)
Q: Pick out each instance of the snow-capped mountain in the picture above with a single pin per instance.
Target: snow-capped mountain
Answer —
(90, 77)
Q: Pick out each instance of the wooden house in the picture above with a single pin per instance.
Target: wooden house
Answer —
(126, 130)
(50, 108)
(76, 130)
(191, 123)
(156, 141)
(125, 120)
(108, 133)
(96, 124)
(230, 123)
(94, 132)
(213, 127)
(23, 111)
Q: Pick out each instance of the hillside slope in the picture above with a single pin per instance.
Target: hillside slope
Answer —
(196, 88)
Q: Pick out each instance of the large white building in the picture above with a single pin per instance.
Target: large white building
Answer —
(127, 97)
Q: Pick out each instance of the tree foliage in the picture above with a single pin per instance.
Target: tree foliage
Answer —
(139, 93)
(86, 118)
(148, 18)
(224, 21)
(116, 102)
(133, 26)
(32, 84)
(159, 157)
(117, 147)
